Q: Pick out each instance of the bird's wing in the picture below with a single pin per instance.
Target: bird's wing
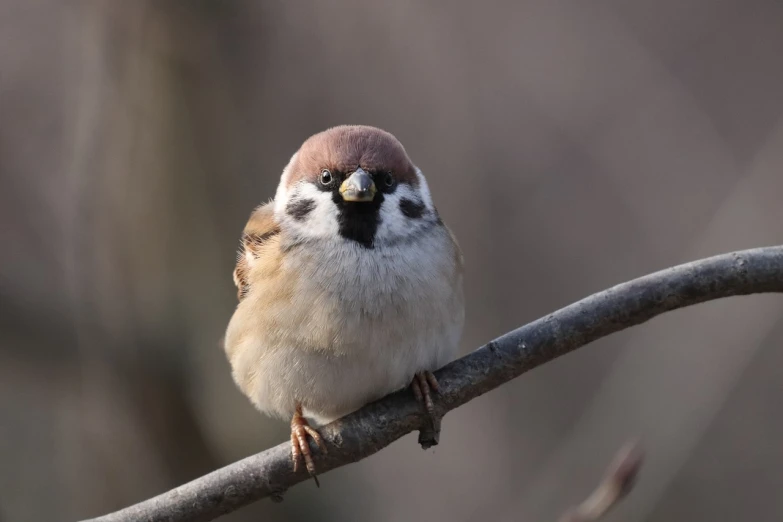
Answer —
(260, 228)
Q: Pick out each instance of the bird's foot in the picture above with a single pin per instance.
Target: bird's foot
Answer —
(424, 385)
(300, 447)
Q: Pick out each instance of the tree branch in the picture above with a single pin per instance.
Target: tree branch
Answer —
(372, 428)
(617, 483)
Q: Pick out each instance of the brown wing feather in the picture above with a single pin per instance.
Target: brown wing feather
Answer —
(259, 229)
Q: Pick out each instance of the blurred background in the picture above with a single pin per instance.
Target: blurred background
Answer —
(620, 137)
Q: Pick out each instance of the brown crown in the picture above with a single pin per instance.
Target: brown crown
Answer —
(347, 147)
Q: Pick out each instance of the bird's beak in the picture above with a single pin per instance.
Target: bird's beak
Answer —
(359, 186)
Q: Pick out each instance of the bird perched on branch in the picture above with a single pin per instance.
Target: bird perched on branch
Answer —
(349, 286)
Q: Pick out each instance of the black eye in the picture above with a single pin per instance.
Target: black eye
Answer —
(326, 177)
(388, 179)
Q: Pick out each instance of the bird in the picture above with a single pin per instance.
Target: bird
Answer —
(349, 286)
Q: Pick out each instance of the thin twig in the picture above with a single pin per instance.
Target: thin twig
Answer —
(372, 428)
(616, 484)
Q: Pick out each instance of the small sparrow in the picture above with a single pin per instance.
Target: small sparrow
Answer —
(349, 286)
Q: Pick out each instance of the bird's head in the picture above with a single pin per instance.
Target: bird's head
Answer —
(356, 183)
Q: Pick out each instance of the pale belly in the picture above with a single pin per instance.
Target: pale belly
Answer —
(370, 359)
(336, 338)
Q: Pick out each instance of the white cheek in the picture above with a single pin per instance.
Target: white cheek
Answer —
(394, 224)
(424, 189)
(321, 222)
(281, 196)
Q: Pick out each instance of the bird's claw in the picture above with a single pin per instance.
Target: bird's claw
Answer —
(423, 385)
(300, 447)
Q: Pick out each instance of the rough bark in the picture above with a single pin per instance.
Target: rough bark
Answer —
(367, 431)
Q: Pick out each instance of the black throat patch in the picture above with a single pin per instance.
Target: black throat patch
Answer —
(358, 221)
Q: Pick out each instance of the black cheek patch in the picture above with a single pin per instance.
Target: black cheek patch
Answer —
(299, 208)
(412, 209)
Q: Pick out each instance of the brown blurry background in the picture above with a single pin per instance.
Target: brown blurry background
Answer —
(570, 145)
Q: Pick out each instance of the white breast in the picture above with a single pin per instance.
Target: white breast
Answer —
(358, 323)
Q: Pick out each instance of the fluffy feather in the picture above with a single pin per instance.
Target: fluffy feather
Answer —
(328, 323)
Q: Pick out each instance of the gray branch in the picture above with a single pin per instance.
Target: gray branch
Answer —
(372, 428)
(618, 481)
